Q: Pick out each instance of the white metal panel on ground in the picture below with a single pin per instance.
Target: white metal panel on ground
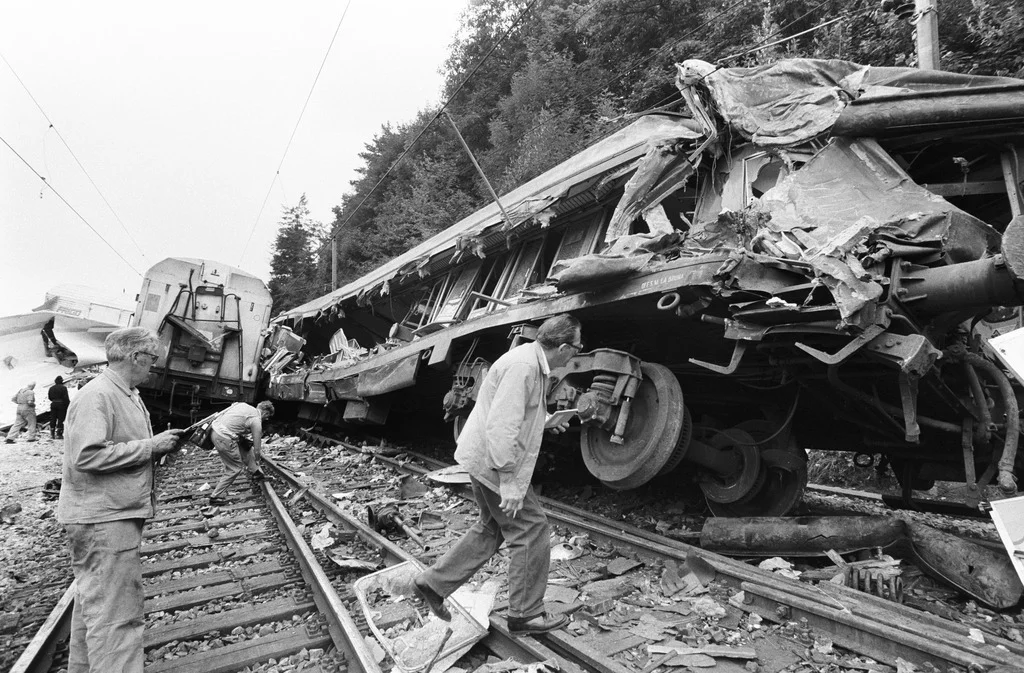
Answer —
(23, 358)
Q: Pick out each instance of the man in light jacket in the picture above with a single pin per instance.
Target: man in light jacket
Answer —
(106, 495)
(26, 415)
(499, 446)
(237, 434)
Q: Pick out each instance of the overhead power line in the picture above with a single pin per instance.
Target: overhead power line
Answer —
(292, 136)
(24, 161)
(633, 66)
(426, 126)
(761, 45)
(74, 156)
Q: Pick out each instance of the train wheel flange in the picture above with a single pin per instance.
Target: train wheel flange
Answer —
(685, 435)
(733, 487)
(652, 432)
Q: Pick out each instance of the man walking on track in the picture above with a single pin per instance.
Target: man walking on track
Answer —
(499, 447)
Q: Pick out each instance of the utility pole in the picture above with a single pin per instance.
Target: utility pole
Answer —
(923, 15)
(334, 262)
(927, 13)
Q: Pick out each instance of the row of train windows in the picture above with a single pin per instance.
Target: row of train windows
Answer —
(484, 285)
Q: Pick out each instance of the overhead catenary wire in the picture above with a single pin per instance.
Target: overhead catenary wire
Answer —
(80, 216)
(636, 64)
(284, 155)
(426, 126)
(760, 45)
(73, 155)
(330, 239)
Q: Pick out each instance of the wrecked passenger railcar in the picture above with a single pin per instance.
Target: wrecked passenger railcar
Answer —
(211, 319)
(807, 260)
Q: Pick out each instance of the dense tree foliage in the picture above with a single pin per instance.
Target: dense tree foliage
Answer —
(294, 266)
(570, 71)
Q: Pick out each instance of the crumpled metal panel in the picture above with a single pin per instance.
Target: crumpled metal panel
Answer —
(782, 103)
(664, 169)
(288, 387)
(388, 378)
(851, 180)
(344, 389)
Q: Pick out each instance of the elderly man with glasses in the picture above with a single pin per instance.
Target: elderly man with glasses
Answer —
(105, 497)
(499, 447)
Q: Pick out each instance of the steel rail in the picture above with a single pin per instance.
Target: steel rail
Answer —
(859, 622)
(343, 629)
(38, 655)
(499, 640)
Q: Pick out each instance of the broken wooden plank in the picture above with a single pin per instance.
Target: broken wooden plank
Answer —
(725, 651)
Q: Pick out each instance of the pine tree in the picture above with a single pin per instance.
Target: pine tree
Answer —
(293, 267)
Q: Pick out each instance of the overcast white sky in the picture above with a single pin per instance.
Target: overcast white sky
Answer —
(180, 113)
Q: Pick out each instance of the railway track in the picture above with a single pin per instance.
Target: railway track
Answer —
(248, 585)
(239, 586)
(865, 624)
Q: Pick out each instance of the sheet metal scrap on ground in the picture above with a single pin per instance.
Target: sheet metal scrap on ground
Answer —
(809, 259)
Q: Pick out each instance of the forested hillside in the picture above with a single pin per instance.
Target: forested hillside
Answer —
(530, 83)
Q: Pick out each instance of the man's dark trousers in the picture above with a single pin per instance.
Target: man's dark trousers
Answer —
(529, 541)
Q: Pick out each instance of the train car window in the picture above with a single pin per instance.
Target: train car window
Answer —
(455, 304)
(580, 237)
(524, 271)
(552, 242)
(495, 270)
(425, 302)
(152, 302)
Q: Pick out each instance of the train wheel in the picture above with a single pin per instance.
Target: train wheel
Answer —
(652, 431)
(685, 435)
(783, 476)
(725, 489)
(458, 423)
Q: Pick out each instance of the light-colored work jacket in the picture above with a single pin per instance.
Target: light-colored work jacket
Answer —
(25, 399)
(108, 455)
(501, 439)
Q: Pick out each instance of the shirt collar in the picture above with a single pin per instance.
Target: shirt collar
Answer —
(545, 368)
(120, 382)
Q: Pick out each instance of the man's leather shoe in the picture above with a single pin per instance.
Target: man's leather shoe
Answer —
(432, 599)
(258, 475)
(542, 623)
(218, 501)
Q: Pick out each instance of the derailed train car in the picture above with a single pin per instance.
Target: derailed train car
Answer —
(211, 319)
(806, 260)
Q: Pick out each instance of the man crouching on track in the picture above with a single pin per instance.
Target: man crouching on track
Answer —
(105, 497)
(499, 447)
(230, 428)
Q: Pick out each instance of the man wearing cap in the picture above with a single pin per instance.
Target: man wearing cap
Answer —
(59, 401)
